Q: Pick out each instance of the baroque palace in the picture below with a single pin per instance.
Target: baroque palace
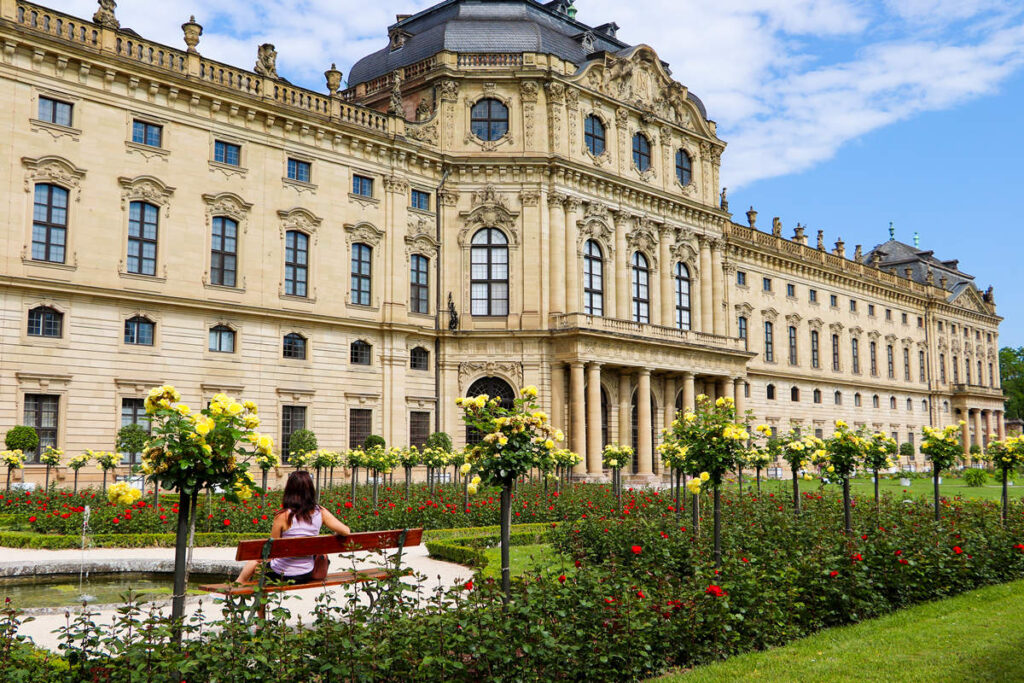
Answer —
(502, 196)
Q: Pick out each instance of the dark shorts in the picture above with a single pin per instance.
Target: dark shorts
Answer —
(298, 578)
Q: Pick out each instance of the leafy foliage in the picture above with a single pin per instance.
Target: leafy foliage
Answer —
(131, 439)
(1011, 371)
(440, 441)
(302, 441)
(374, 441)
(22, 438)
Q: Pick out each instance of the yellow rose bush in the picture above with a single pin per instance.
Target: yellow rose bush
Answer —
(123, 494)
(878, 452)
(78, 462)
(844, 451)
(105, 461)
(14, 460)
(943, 448)
(1008, 456)
(797, 450)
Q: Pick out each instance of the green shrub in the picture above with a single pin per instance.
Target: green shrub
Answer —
(975, 449)
(440, 441)
(975, 477)
(131, 439)
(22, 438)
(469, 550)
(907, 449)
(302, 441)
(374, 441)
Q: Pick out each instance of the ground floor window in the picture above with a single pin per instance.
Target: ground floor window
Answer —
(419, 428)
(133, 412)
(42, 412)
(293, 418)
(360, 426)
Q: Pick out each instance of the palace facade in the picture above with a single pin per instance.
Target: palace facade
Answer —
(502, 196)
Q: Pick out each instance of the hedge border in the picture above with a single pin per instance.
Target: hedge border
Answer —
(469, 550)
(34, 541)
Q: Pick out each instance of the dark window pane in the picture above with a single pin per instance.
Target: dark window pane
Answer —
(293, 418)
(489, 119)
(42, 412)
(295, 346)
(419, 428)
(360, 426)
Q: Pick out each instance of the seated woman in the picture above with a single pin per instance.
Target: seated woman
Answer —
(299, 516)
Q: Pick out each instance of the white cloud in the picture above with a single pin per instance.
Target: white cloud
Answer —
(789, 81)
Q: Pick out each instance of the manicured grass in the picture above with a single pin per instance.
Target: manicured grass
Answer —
(522, 558)
(972, 637)
(918, 488)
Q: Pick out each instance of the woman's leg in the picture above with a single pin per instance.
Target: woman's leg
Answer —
(247, 571)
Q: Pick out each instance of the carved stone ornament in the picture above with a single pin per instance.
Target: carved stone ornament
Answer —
(396, 107)
(300, 219)
(595, 227)
(816, 323)
(744, 309)
(192, 31)
(555, 92)
(449, 90)
(266, 61)
(793, 319)
(396, 184)
(227, 204)
(769, 314)
(363, 233)
(145, 189)
(642, 238)
(469, 371)
(490, 210)
(105, 15)
(419, 237)
(53, 169)
(528, 90)
(422, 132)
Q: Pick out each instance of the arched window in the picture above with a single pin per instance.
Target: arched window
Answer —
(817, 395)
(224, 252)
(910, 405)
(44, 321)
(594, 135)
(294, 346)
(142, 232)
(838, 398)
(362, 269)
(682, 296)
(296, 263)
(684, 167)
(770, 392)
(924, 406)
(419, 359)
(360, 353)
(222, 339)
(641, 152)
(875, 401)
(856, 399)
(495, 387)
(49, 223)
(641, 293)
(892, 403)
(419, 284)
(945, 406)
(593, 279)
(794, 394)
(139, 330)
(489, 120)
(489, 277)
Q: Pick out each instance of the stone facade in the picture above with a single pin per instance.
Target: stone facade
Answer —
(158, 153)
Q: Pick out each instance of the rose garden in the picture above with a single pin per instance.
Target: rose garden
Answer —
(560, 579)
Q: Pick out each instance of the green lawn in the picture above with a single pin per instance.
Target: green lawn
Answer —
(972, 637)
(522, 558)
(918, 488)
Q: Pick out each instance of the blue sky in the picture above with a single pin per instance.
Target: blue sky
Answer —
(840, 114)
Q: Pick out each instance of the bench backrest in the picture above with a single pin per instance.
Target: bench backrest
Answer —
(324, 545)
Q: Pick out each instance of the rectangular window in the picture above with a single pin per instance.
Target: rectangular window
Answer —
(148, 134)
(133, 412)
(906, 364)
(227, 153)
(769, 343)
(223, 252)
(420, 200)
(41, 412)
(300, 170)
(766, 284)
(741, 278)
(903, 318)
(139, 331)
(942, 368)
(790, 290)
(360, 426)
(891, 361)
(815, 355)
(888, 314)
(855, 354)
(55, 111)
(873, 353)
(296, 263)
(792, 345)
(362, 260)
(940, 328)
(49, 223)
(362, 186)
(293, 418)
(742, 326)
(813, 296)
(956, 370)
(871, 310)
(920, 321)
(833, 301)
(853, 305)
(419, 428)
(142, 234)
(991, 375)
(222, 339)
(835, 352)
(419, 288)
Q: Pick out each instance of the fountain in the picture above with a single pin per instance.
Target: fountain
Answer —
(85, 597)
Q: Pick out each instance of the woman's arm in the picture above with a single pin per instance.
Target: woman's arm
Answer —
(333, 523)
(280, 524)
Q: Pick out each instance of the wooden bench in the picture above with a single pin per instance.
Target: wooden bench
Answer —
(320, 545)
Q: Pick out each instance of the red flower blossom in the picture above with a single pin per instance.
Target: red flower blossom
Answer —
(227, 522)
(864, 537)
(714, 590)
(637, 550)
(561, 579)
(640, 594)
(116, 520)
(348, 503)
(578, 563)
(957, 549)
(857, 558)
(903, 560)
(609, 600)
(32, 518)
(833, 573)
(899, 552)
(745, 559)
(469, 585)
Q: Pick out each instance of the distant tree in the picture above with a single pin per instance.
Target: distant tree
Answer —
(373, 441)
(1011, 372)
(22, 438)
(907, 449)
(440, 441)
(302, 441)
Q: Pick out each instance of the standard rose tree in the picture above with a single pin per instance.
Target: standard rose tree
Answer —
(1007, 456)
(943, 448)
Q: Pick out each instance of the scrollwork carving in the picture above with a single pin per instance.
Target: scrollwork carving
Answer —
(511, 370)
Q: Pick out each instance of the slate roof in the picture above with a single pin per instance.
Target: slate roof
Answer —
(897, 256)
(489, 26)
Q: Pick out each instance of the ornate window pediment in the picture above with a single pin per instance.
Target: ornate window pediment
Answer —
(55, 170)
(769, 314)
(419, 237)
(364, 233)
(816, 323)
(228, 204)
(145, 188)
(299, 219)
(490, 210)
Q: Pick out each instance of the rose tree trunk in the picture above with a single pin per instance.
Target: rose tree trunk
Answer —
(180, 552)
(506, 540)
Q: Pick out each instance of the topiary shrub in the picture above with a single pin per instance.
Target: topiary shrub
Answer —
(22, 438)
(131, 439)
(440, 441)
(373, 441)
(302, 441)
(907, 449)
(975, 449)
(975, 477)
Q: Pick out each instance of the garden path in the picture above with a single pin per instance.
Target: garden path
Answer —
(299, 603)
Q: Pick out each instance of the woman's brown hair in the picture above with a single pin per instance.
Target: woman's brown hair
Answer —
(299, 497)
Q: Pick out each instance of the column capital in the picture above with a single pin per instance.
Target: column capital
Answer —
(577, 364)
(739, 380)
(594, 365)
(688, 375)
(643, 372)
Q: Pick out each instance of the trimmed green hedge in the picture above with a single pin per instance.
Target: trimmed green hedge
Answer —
(468, 550)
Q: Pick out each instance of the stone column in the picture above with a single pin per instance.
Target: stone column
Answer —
(725, 387)
(669, 400)
(594, 419)
(625, 408)
(572, 257)
(718, 288)
(620, 268)
(965, 433)
(645, 453)
(706, 303)
(577, 408)
(1000, 426)
(689, 397)
(556, 209)
(558, 397)
(740, 396)
(976, 417)
(668, 298)
(986, 419)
